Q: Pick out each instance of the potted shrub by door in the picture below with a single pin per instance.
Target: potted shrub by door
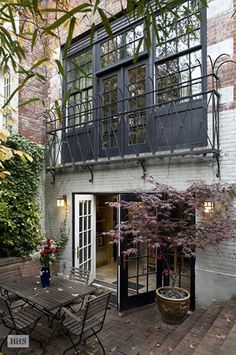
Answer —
(167, 219)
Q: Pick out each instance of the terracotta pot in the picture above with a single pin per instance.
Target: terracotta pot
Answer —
(173, 311)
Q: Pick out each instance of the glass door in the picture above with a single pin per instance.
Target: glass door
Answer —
(84, 231)
(138, 277)
(110, 130)
(141, 274)
(136, 120)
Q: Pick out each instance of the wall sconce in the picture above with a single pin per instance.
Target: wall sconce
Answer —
(61, 201)
(208, 207)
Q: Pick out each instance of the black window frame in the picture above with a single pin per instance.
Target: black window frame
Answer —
(120, 26)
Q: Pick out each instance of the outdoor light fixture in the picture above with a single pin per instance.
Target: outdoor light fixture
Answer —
(208, 207)
(61, 201)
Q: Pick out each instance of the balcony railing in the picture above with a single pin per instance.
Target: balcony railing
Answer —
(188, 125)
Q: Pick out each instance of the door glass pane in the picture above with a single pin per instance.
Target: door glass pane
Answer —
(110, 112)
(137, 103)
(89, 252)
(89, 236)
(85, 238)
(80, 240)
(142, 271)
(85, 234)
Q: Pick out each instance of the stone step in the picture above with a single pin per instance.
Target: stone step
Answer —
(195, 335)
(219, 331)
(172, 341)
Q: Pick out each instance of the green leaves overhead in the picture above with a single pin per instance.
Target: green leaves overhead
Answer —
(60, 67)
(40, 25)
(27, 102)
(105, 21)
(69, 36)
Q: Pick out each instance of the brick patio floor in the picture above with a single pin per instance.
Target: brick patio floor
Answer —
(210, 331)
(138, 332)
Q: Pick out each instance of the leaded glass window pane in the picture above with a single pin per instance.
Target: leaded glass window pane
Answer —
(137, 103)
(79, 81)
(122, 46)
(177, 73)
(110, 112)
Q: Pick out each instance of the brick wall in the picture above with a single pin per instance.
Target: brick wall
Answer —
(31, 121)
(27, 266)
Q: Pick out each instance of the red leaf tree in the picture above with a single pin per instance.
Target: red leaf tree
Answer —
(164, 218)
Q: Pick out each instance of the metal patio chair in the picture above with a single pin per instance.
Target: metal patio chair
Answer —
(82, 276)
(79, 275)
(12, 273)
(20, 322)
(87, 322)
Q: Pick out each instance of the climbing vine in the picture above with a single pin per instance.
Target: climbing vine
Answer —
(19, 208)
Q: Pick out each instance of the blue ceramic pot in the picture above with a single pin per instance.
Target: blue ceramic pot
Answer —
(45, 276)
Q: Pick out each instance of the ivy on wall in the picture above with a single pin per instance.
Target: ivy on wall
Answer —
(19, 210)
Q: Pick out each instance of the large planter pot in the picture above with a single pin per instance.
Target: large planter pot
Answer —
(173, 310)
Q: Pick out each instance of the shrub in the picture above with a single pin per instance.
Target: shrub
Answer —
(19, 211)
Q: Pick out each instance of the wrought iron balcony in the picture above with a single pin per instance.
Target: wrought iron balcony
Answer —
(96, 132)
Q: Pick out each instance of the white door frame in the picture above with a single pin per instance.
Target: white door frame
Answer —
(85, 232)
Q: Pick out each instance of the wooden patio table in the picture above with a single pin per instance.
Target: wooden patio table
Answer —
(60, 293)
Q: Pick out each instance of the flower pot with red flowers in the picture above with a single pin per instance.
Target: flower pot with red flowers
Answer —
(47, 252)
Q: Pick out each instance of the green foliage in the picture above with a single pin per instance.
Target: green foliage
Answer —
(19, 211)
(63, 236)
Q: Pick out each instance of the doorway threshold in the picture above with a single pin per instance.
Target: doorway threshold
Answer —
(110, 287)
(106, 285)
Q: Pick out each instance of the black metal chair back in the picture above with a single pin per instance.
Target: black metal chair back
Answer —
(26, 318)
(5, 308)
(12, 273)
(88, 322)
(95, 312)
(79, 275)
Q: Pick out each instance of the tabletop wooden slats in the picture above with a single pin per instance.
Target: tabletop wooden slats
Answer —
(60, 293)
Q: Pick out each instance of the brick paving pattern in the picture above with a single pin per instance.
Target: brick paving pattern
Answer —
(136, 332)
(142, 332)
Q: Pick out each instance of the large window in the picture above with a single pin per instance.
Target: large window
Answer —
(122, 46)
(79, 83)
(178, 53)
(119, 107)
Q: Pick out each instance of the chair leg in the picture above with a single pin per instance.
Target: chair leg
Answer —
(49, 339)
(73, 345)
(1, 346)
(103, 349)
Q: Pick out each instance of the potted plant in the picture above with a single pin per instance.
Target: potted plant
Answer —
(167, 219)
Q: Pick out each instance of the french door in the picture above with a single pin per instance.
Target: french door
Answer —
(138, 275)
(84, 233)
(141, 274)
(124, 127)
(111, 126)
